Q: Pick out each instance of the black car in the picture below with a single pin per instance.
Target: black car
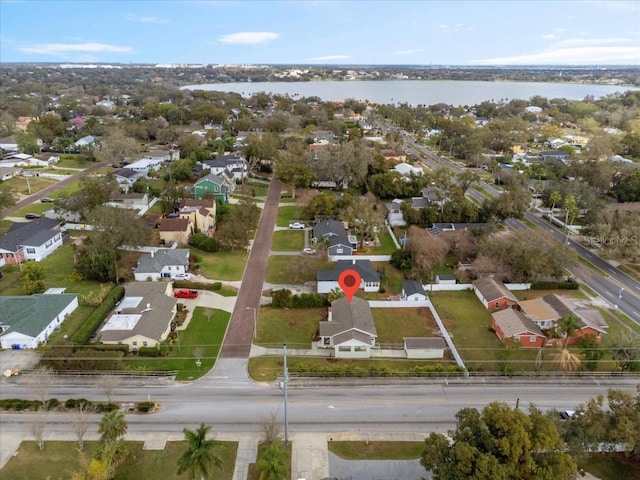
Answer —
(32, 216)
(46, 200)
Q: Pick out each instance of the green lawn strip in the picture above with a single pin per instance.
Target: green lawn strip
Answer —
(226, 265)
(23, 184)
(616, 320)
(288, 214)
(61, 460)
(296, 327)
(202, 333)
(71, 325)
(289, 240)
(73, 161)
(253, 473)
(268, 368)
(610, 466)
(588, 290)
(377, 450)
(279, 269)
(592, 267)
(386, 247)
(392, 278)
(393, 324)
(252, 190)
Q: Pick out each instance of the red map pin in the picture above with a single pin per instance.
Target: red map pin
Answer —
(349, 282)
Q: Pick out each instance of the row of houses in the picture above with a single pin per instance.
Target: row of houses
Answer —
(530, 323)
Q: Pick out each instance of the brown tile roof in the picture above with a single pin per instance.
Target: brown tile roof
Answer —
(174, 225)
(492, 289)
(513, 322)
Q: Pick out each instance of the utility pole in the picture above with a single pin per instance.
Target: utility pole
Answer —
(284, 388)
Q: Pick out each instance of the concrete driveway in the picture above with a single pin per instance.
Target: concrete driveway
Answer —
(22, 359)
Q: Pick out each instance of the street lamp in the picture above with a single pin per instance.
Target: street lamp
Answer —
(255, 315)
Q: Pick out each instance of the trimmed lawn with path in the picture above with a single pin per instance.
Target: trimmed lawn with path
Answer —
(290, 213)
(382, 450)
(295, 326)
(284, 241)
(227, 265)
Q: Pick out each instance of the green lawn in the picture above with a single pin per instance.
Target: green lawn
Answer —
(387, 247)
(222, 265)
(288, 240)
(203, 334)
(288, 214)
(392, 324)
(392, 278)
(73, 161)
(377, 450)
(23, 184)
(278, 269)
(296, 326)
(267, 368)
(59, 460)
(252, 189)
(612, 466)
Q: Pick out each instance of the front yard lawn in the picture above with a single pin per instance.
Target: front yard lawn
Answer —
(289, 240)
(226, 265)
(61, 460)
(377, 450)
(279, 269)
(203, 336)
(296, 326)
(290, 213)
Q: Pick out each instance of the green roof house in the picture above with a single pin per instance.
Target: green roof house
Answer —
(27, 321)
(213, 186)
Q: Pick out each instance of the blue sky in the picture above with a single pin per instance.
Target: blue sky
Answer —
(362, 32)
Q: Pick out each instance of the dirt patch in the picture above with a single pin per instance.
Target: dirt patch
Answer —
(22, 359)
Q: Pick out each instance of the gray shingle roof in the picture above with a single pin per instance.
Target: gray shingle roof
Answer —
(363, 267)
(492, 289)
(163, 257)
(29, 315)
(347, 316)
(22, 233)
(411, 343)
(411, 286)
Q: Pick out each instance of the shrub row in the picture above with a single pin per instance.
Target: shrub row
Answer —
(568, 285)
(349, 370)
(18, 404)
(203, 242)
(284, 299)
(91, 324)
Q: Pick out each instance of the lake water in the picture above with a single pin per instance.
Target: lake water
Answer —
(419, 92)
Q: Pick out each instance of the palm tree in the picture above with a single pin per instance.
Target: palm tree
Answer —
(112, 426)
(199, 458)
(272, 463)
(568, 361)
(554, 198)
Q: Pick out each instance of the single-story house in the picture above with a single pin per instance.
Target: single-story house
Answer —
(350, 330)
(163, 155)
(514, 326)
(424, 347)
(134, 201)
(174, 230)
(127, 177)
(407, 170)
(213, 186)
(413, 291)
(28, 321)
(201, 213)
(87, 141)
(34, 240)
(561, 155)
(335, 234)
(6, 173)
(143, 317)
(146, 165)
(494, 295)
(162, 263)
(393, 155)
(394, 213)
(327, 280)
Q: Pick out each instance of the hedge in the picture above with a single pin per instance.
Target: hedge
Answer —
(145, 407)
(568, 285)
(91, 324)
(351, 370)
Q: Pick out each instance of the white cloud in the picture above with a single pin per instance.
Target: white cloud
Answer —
(66, 48)
(409, 52)
(458, 27)
(588, 42)
(248, 38)
(586, 55)
(549, 36)
(147, 19)
(329, 57)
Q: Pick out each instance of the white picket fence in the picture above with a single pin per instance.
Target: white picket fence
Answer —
(372, 258)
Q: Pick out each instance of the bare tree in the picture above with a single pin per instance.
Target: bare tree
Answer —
(207, 312)
(41, 380)
(37, 428)
(80, 423)
(270, 428)
(108, 383)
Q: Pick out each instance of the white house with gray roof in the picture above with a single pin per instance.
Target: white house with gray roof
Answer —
(28, 321)
(163, 263)
(143, 317)
(350, 330)
(34, 240)
(327, 280)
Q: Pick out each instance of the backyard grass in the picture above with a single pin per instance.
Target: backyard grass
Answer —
(268, 368)
(252, 190)
(377, 450)
(612, 466)
(22, 184)
(202, 338)
(227, 265)
(73, 161)
(61, 460)
(392, 278)
(531, 294)
(278, 269)
(386, 247)
(288, 214)
(392, 324)
(288, 240)
(296, 327)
